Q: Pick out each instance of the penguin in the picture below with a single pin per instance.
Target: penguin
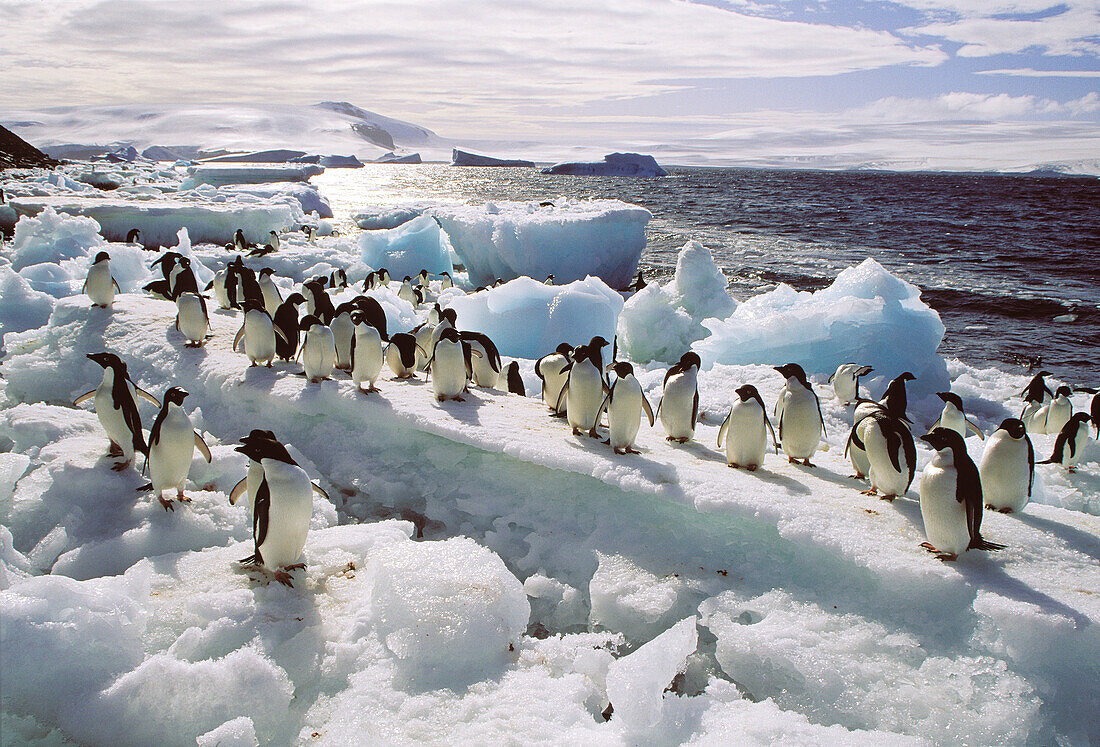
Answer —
(401, 355)
(221, 293)
(954, 416)
(549, 279)
(679, 405)
(448, 366)
(234, 283)
(383, 277)
(743, 430)
(258, 333)
(182, 279)
(1035, 394)
(584, 388)
(1069, 447)
(798, 412)
(251, 481)
(1094, 411)
(625, 402)
(423, 278)
(273, 242)
(845, 381)
(338, 279)
(1052, 416)
(317, 301)
(1008, 467)
(406, 291)
(192, 319)
(318, 351)
(370, 282)
(166, 263)
(373, 313)
(311, 233)
(133, 236)
(433, 314)
(343, 332)
(366, 353)
(513, 382)
(240, 243)
(637, 284)
(446, 281)
(891, 454)
(894, 402)
(282, 509)
(172, 443)
(486, 364)
(286, 320)
(158, 289)
(552, 371)
(100, 285)
(269, 291)
(116, 408)
(951, 498)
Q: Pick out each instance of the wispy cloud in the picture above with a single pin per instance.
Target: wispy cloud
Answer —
(1027, 72)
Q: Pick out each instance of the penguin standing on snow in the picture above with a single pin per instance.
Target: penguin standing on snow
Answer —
(172, 443)
(1056, 413)
(891, 453)
(251, 481)
(338, 279)
(951, 498)
(513, 382)
(282, 509)
(743, 430)
(954, 416)
(625, 403)
(445, 281)
(100, 285)
(240, 243)
(270, 292)
(366, 353)
(182, 279)
(286, 320)
(133, 236)
(192, 319)
(318, 302)
(401, 355)
(116, 408)
(343, 332)
(1035, 394)
(318, 352)
(553, 371)
(584, 388)
(449, 366)
(845, 381)
(679, 405)
(258, 333)
(221, 293)
(1069, 447)
(486, 365)
(1008, 467)
(799, 415)
(894, 403)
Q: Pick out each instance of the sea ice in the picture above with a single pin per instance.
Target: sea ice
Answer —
(218, 175)
(406, 250)
(373, 217)
(636, 683)
(307, 195)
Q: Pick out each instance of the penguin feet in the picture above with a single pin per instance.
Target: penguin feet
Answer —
(300, 566)
(791, 460)
(119, 466)
(284, 578)
(940, 555)
(592, 434)
(631, 450)
(869, 491)
(733, 465)
(167, 504)
(887, 498)
(1002, 510)
(807, 463)
(857, 476)
(576, 431)
(182, 498)
(752, 467)
(114, 450)
(557, 414)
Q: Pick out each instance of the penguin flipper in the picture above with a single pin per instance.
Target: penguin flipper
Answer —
(561, 396)
(238, 490)
(601, 409)
(725, 427)
(146, 396)
(83, 398)
(260, 513)
(648, 410)
(1030, 464)
(238, 337)
(203, 448)
(694, 409)
(280, 333)
(775, 441)
(320, 491)
(974, 429)
(114, 283)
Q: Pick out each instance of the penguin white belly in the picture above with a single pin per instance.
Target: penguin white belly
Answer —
(259, 337)
(483, 372)
(100, 286)
(170, 457)
(343, 329)
(953, 419)
(318, 353)
(553, 381)
(1080, 441)
(272, 299)
(944, 517)
(393, 360)
(584, 396)
(624, 415)
(368, 355)
(288, 515)
(405, 293)
(1059, 412)
(111, 418)
(448, 370)
(800, 423)
(746, 439)
(678, 405)
(1005, 472)
(220, 291)
(844, 386)
(192, 319)
(424, 342)
(1030, 417)
(881, 472)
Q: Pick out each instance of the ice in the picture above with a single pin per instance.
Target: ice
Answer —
(238, 732)
(568, 239)
(407, 249)
(52, 236)
(613, 164)
(866, 315)
(21, 306)
(528, 319)
(463, 158)
(218, 175)
(372, 217)
(449, 612)
(633, 601)
(304, 194)
(636, 683)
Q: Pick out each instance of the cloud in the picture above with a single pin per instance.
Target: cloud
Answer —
(959, 105)
(983, 32)
(1028, 72)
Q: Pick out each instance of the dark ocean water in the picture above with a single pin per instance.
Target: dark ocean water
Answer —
(998, 256)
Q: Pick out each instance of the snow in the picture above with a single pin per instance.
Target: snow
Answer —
(637, 682)
(413, 246)
(613, 164)
(306, 195)
(372, 217)
(52, 236)
(528, 319)
(569, 239)
(219, 175)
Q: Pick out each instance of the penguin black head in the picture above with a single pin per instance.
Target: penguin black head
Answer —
(862, 371)
(175, 395)
(1063, 391)
(1014, 427)
(747, 392)
(1078, 419)
(295, 299)
(407, 279)
(906, 376)
(598, 342)
(564, 349)
(347, 306)
(308, 321)
(101, 257)
(449, 334)
(264, 448)
(266, 271)
(689, 359)
(952, 398)
(252, 304)
(792, 369)
(944, 438)
(445, 274)
(273, 233)
(550, 279)
(184, 262)
(623, 369)
(237, 261)
(107, 360)
(450, 315)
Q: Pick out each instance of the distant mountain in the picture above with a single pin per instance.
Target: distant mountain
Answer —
(15, 152)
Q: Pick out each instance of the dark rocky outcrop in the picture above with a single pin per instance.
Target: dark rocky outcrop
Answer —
(17, 153)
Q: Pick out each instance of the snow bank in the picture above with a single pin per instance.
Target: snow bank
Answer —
(866, 315)
(221, 175)
(528, 319)
(570, 240)
(613, 164)
(52, 236)
(406, 250)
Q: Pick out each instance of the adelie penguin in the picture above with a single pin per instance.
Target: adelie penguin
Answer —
(678, 409)
(401, 355)
(744, 430)
(282, 509)
(553, 371)
(258, 334)
(270, 292)
(954, 416)
(366, 353)
(448, 366)
(286, 321)
(133, 237)
(182, 279)
(318, 351)
(891, 453)
(845, 381)
(584, 388)
(1008, 467)
(1052, 416)
(172, 444)
(1035, 394)
(512, 381)
(486, 364)
(192, 319)
(951, 498)
(1069, 447)
(798, 414)
(240, 243)
(343, 332)
(116, 407)
(894, 403)
(100, 285)
(625, 403)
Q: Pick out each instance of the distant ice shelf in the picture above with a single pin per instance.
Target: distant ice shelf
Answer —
(613, 164)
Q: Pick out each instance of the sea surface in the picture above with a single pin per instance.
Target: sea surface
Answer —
(998, 256)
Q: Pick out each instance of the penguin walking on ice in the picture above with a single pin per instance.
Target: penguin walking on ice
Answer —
(449, 366)
(282, 509)
(343, 332)
(1052, 416)
(1035, 394)
(625, 403)
(423, 278)
(743, 430)
(1069, 446)
(553, 371)
(258, 334)
(891, 454)
(584, 388)
(116, 407)
(172, 444)
(446, 281)
(845, 381)
(251, 481)
(401, 352)
(894, 403)
(270, 292)
(366, 353)
(240, 243)
(951, 498)
(318, 351)
(100, 286)
(954, 417)
(1008, 467)
(798, 413)
(286, 320)
(192, 319)
(678, 409)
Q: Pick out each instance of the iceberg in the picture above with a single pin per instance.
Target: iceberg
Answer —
(462, 158)
(406, 250)
(218, 175)
(570, 240)
(373, 217)
(394, 158)
(307, 195)
(613, 164)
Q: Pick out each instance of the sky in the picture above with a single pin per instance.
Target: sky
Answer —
(907, 79)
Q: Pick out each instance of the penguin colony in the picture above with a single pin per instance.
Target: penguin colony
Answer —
(352, 338)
